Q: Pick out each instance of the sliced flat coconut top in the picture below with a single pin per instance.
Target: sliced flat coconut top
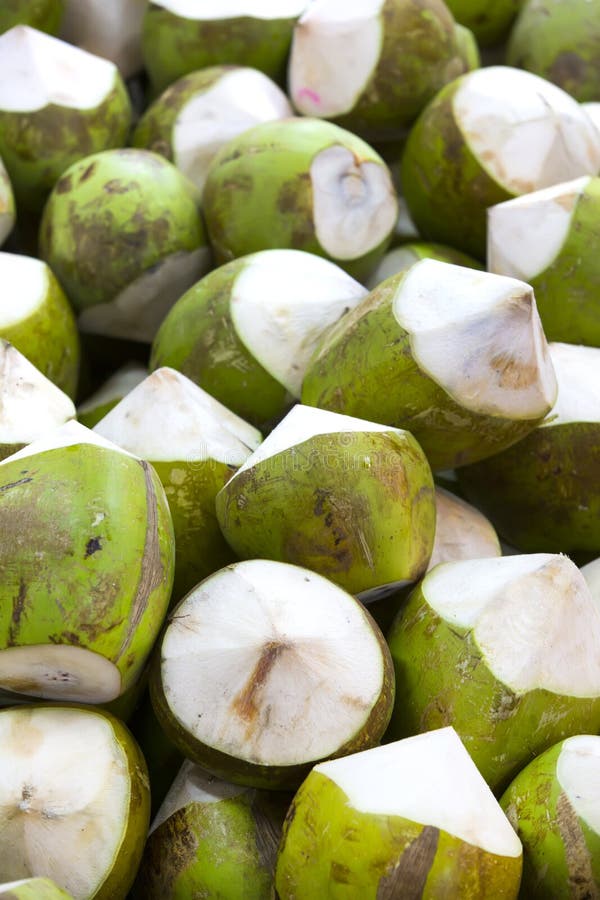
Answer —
(167, 417)
(578, 773)
(461, 531)
(194, 785)
(234, 9)
(429, 779)
(116, 387)
(68, 435)
(25, 283)
(282, 302)
(532, 616)
(37, 70)
(526, 132)
(479, 337)
(578, 374)
(335, 51)
(525, 235)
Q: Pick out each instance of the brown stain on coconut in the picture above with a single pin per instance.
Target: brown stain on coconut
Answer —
(582, 884)
(408, 878)
(246, 703)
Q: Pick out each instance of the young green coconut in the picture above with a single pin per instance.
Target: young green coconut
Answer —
(543, 493)
(33, 889)
(35, 316)
(86, 555)
(198, 114)
(412, 819)
(265, 669)
(491, 135)
(401, 258)
(549, 239)
(7, 204)
(246, 331)
(110, 393)
(45, 15)
(490, 20)
(456, 356)
(504, 649)
(123, 233)
(195, 445)
(112, 30)
(553, 805)
(348, 498)
(302, 184)
(57, 104)
(74, 800)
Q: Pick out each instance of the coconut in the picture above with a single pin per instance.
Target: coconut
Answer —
(348, 498)
(461, 531)
(194, 444)
(412, 819)
(123, 233)
(491, 135)
(163, 759)
(33, 889)
(110, 393)
(57, 104)
(549, 239)
(467, 371)
(45, 15)
(303, 184)
(401, 258)
(86, 552)
(36, 318)
(74, 799)
(112, 30)
(246, 331)
(190, 122)
(267, 668)
(593, 111)
(7, 205)
(506, 649)
(489, 21)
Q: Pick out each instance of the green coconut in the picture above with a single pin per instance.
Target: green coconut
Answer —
(265, 669)
(195, 445)
(490, 20)
(211, 838)
(491, 135)
(36, 318)
(190, 122)
(74, 798)
(57, 104)
(123, 233)
(549, 239)
(504, 649)
(401, 258)
(246, 331)
(302, 184)
(45, 15)
(468, 47)
(412, 819)
(553, 806)
(100, 403)
(111, 30)
(372, 66)
(7, 204)
(467, 372)
(86, 557)
(33, 889)
(163, 759)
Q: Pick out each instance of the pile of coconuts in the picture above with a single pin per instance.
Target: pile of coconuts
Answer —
(299, 449)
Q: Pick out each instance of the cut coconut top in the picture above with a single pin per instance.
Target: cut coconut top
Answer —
(593, 111)
(281, 303)
(60, 672)
(109, 29)
(234, 9)
(461, 531)
(116, 387)
(30, 404)
(260, 662)
(526, 132)
(194, 785)
(37, 70)
(479, 337)
(335, 51)
(578, 375)
(25, 283)
(167, 417)
(578, 773)
(64, 796)
(591, 573)
(68, 435)
(429, 779)
(532, 616)
(397, 260)
(526, 235)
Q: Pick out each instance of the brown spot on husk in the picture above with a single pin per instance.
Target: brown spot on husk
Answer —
(116, 186)
(582, 884)
(12, 484)
(87, 172)
(64, 184)
(268, 835)
(17, 612)
(245, 704)
(92, 546)
(408, 878)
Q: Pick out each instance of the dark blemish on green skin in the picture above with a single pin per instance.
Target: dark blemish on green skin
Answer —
(18, 607)
(92, 546)
(64, 185)
(12, 484)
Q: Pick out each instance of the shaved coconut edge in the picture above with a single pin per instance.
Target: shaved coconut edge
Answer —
(194, 785)
(116, 387)
(216, 10)
(68, 435)
(458, 524)
(578, 773)
(578, 376)
(47, 665)
(25, 285)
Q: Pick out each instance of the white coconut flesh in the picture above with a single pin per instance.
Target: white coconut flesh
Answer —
(526, 132)
(591, 573)
(335, 51)
(461, 531)
(526, 235)
(116, 387)
(578, 375)
(138, 310)
(532, 617)
(354, 202)
(25, 283)
(260, 662)
(236, 101)
(479, 337)
(167, 417)
(59, 672)
(429, 779)
(593, 111)
(68, 435)
(108, 28)
(395, 261)
(211, 10)
(30, 404)
(282, 301)
(578, 773)
(37, 70)
(64, 797)
(194, 785)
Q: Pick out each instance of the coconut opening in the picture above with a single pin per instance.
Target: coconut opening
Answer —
(429, 779)
(25, 285)
(59, 672)
(578, 773)
(461, 531)
(234, 9)
(281, 303)
(116, 387)
(259, 662)
(335, 51)
(67, 435)
(578, 376)
(354, 203)
(193, 785)
(479, 337)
